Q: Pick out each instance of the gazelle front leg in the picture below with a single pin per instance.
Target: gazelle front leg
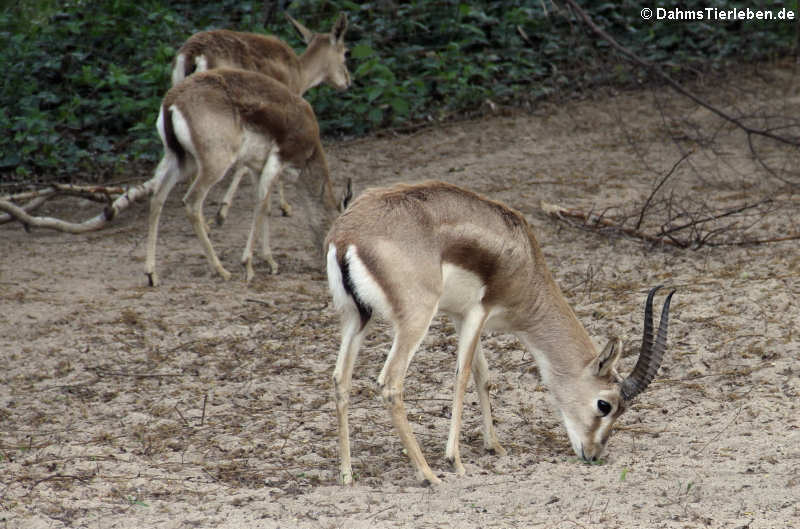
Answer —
(468, 341)
(480, 373)
(222, 214)
(260, 225)
(193, 200)
(286, 208)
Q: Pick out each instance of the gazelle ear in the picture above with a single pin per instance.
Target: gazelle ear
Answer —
(339, 28)
(305, 33)
(603, 365)
(347, 197)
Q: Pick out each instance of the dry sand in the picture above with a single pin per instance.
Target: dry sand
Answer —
(208, 404)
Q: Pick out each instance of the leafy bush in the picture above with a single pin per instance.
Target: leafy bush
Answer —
(83, 80)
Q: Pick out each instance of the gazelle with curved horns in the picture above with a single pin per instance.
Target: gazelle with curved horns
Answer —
(323, 61)
(408, 251)
(221, 121)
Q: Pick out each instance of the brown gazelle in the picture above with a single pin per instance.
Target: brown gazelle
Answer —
(408, 251)
(217, 122)
(323, 61)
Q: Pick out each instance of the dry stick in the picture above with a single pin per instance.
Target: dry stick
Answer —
(131, 195)
(31, 206)
(38, 197)
(674, 84)
(587, 218)
(660, 184)
(724, 214)
(719, 433)
(666, 235)
(90, 191)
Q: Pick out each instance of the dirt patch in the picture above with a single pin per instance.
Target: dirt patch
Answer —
(208, 404)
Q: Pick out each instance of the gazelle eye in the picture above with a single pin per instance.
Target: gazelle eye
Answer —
(604, 407)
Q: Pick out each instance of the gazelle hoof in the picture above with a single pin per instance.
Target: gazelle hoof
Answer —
(431, 481)
(220, 219)
(496, 450)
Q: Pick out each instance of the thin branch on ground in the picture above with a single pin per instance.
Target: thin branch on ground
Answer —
(124, 198)
(655, 189)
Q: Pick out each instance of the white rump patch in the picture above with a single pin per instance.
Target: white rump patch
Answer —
(367, 288)
(160, 125)
(200, 63)
(182, 132)
(179, 69)
(335, 281)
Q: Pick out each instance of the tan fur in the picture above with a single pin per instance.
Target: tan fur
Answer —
(323, 61)
(237, 120)
(408, 237)
(265, 54)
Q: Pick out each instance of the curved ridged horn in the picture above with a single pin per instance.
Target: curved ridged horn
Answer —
(652, 353)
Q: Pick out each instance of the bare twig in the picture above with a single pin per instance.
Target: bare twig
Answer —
(674, 84)
(589, 220)
(660, 184)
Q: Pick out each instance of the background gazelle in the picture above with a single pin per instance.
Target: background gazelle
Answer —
(408, 251)
(323, 61)
(218, 122)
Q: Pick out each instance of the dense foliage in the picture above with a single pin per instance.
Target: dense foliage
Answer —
(83, 80)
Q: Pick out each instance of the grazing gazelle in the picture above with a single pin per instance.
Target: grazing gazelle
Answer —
(217, 122)
(408, 251)
(323, 61)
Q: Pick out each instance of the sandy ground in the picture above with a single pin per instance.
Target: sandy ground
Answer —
(208, 404)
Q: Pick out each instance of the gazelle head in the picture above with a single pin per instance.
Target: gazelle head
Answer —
(589, 410)
(328, 51)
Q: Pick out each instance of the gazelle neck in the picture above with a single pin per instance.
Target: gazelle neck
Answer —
(310, 72)
(555, 333)
(316, 196)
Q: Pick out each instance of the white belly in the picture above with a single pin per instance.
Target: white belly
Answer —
(463, 291)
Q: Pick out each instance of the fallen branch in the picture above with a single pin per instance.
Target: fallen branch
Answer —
(666, 236)
(31, 206)
(36, 198)
(127, 196)
(592, 220)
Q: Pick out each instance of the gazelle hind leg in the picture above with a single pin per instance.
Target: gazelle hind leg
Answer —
(167, 175)
(469, 334)
(408, 337)
(352, 336)
(193, 201)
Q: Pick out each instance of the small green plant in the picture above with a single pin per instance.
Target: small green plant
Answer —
(133, 500)
(623, 474)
